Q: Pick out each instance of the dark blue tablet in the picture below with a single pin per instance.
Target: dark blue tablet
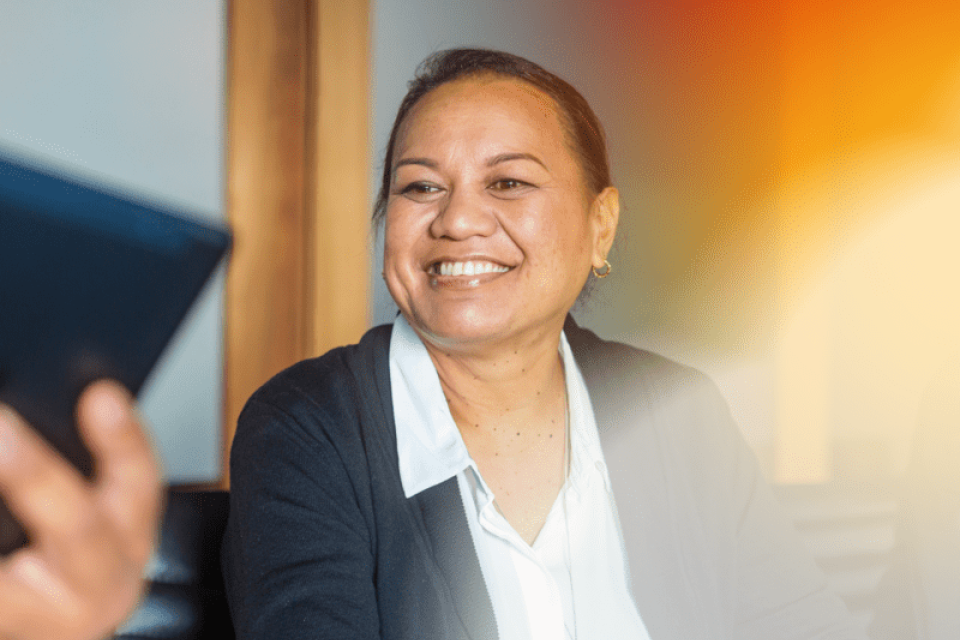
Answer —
(93, 284)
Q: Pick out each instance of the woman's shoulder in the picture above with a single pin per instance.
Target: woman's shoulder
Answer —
(329, 392)
(329, 377)
(610, 363)
(645, 393)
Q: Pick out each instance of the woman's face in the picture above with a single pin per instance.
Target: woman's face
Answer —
(490, 231)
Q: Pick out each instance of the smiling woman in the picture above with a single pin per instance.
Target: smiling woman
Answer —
(483, 175)
(484, 467)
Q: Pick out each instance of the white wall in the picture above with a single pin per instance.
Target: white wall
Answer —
(131, 93)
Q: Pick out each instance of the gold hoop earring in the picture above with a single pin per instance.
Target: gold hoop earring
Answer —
(605, 273)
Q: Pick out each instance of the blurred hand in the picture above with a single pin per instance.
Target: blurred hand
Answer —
(81, 576)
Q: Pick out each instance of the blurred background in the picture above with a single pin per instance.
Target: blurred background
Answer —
(789, 174)
(131, 94)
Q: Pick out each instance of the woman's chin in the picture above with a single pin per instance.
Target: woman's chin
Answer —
(462, 331)
(471, 328)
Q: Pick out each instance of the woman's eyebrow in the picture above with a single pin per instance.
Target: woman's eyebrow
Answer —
(495, 160)
(507, 157)
(427, 162)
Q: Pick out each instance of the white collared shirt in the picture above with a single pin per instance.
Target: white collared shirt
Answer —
(572, 582)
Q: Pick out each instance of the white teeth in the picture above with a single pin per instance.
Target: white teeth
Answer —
(469, 268)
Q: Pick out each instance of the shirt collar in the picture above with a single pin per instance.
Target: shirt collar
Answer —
(429, 445)
(586, 454)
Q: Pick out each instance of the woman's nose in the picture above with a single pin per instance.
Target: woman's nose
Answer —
(463, 215)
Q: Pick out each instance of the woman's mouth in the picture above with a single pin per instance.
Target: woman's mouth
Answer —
(467, 268)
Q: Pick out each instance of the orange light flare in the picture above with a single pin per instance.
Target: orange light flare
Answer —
(793, 167)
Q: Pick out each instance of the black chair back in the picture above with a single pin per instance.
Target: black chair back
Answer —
(186, 598)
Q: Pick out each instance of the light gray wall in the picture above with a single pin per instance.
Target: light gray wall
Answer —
(131, 93)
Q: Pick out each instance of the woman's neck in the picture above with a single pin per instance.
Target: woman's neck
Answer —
(510, 407)
(496, 390)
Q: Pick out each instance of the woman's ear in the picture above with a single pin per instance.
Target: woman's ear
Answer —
(605, 215)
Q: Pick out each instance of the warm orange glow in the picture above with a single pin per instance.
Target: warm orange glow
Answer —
(797, 169)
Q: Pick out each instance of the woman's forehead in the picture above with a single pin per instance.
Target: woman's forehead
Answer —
(470, 106)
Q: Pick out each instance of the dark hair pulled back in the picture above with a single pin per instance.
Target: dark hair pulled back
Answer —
(583, 129)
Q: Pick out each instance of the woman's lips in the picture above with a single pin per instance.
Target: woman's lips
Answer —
(466, 268)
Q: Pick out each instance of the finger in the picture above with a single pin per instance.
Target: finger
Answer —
(35, 602)
(38, 583)
(54, 504)
(127, 482)
(46, 494)
(19, 604)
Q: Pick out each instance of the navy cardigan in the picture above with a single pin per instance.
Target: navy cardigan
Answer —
(322, 543)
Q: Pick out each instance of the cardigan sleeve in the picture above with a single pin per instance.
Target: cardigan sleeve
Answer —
(778, 590)
(781, 592)
(711, 552)
(297, 555)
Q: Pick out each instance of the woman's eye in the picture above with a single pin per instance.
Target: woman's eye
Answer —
(419, 189)
(508, 184)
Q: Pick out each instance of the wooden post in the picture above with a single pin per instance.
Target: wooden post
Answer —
(297, 181)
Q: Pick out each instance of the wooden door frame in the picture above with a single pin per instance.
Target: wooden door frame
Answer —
(297, 164)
